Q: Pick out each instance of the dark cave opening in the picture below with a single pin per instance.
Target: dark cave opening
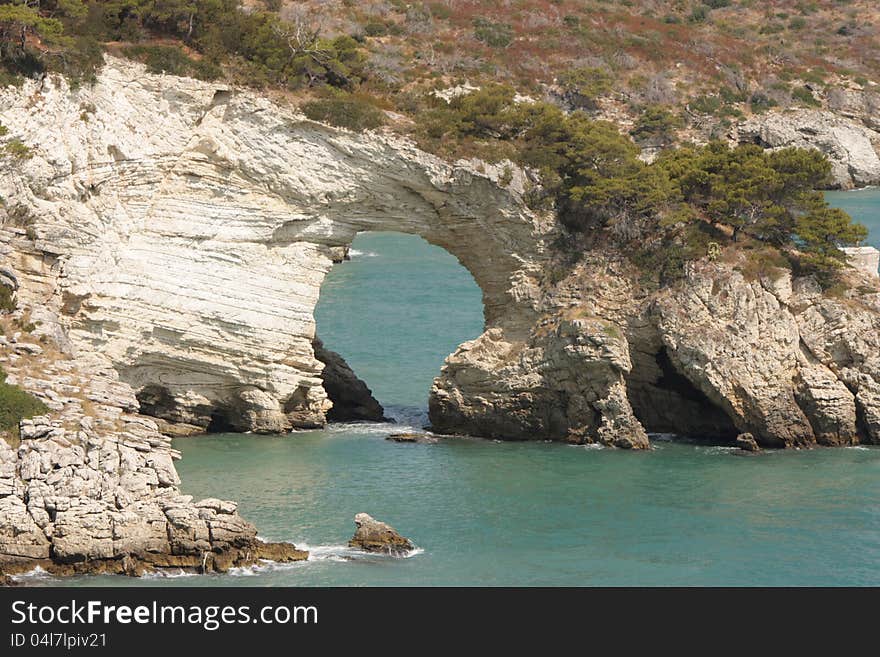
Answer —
(666, 401)
(220, 421)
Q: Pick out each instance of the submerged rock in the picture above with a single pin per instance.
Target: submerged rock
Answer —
(746, 442)
(375, 536)
(414, 437)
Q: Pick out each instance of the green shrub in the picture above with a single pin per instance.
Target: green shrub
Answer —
(18, 150)
(375, 29)
(656, 125)
(705, 104)
(7, 301)
(173, 61)
(496, 35)
(345, 111)
(761, 102)
(698, 15)
(586, 84)
(16, 405)
(805, 96)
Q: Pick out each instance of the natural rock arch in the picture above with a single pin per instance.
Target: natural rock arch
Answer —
(168, 180)
(176, 233)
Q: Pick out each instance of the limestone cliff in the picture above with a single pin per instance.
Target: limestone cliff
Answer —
(167, 240)
(850, 139)
(182, 231)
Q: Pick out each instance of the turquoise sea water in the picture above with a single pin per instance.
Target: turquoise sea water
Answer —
(490, 513)
(864, 206)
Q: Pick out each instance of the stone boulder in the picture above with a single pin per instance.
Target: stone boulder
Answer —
(375, 536)
(280, 552)
(746, 442)
(352, 399)
(20, 536)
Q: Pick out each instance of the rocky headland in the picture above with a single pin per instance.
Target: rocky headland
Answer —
(166, 239)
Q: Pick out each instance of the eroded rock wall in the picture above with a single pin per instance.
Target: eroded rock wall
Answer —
(189, 228)
(712, 356)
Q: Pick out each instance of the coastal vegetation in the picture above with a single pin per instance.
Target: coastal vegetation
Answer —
(669, 209)
(16, 405)
(551, 82)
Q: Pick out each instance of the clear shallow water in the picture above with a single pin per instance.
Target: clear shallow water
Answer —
(864, 206)
(488, 513)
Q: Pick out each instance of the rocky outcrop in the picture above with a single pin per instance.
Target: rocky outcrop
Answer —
(782, 360)
(375, 536)
(166, 241)
(410, 438)
(747, 443)
(92, 500)
(568, 377)
(352, 400)
(865, 258)
(851, 147)
(714, 356)
(91, 487)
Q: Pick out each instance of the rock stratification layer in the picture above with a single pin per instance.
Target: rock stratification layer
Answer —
(182, 230)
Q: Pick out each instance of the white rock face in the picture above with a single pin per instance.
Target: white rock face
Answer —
(866, 258)
(182, 230)
(850, 146)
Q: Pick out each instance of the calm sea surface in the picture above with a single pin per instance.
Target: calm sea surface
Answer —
(864, 206)
(490, 513)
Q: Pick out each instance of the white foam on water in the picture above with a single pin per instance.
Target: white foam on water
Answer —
(168, 574)
(718, 449)
(347, 553)
(356, 253)
(317, 554)
(861, 448)
(377, 428)
(332, 552)
(36, 573)
(406, 420)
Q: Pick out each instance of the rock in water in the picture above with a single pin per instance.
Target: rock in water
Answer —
(281, 552)
(352, 399)
(413, 438)
(746, 441)
(375, 536)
